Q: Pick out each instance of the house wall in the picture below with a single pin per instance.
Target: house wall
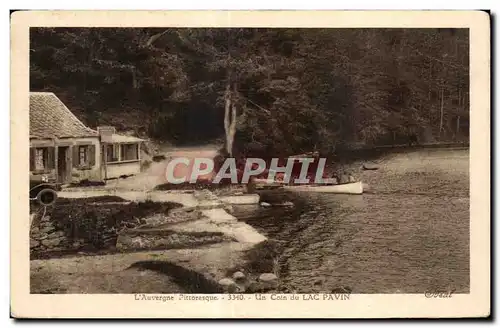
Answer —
(93, 173)
(42, 143)
(77, 174)
(118, 169)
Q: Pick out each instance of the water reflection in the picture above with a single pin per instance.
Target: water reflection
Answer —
(409, 234)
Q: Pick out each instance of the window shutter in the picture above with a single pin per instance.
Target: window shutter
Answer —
(91, 155)
(32, 159)
(76, 157)
(122, 154)
(50, 157)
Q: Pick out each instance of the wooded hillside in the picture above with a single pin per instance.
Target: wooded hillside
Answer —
(275, 90)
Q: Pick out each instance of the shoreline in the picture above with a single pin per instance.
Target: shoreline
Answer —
(369, 153)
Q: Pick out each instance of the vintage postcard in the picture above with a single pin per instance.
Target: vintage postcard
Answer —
(250, 164)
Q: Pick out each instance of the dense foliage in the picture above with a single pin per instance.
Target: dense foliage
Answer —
(283, 90)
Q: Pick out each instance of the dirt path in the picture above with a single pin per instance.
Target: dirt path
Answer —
(154, 175)
(124, 273)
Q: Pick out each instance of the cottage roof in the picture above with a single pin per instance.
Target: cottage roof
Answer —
(50, 118)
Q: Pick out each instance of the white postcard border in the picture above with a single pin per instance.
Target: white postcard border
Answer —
(477, 303)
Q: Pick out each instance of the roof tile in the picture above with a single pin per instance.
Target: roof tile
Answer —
(50, 118)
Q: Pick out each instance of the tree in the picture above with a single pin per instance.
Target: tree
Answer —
(274, 91)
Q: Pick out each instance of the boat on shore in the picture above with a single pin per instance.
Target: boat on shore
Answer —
(332, 187)
(244, 199)
(352, 188)
(265, 182)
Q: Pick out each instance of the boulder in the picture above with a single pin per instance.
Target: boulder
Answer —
(47, 229)
(228, 285)
(344, 178)
(55, 241)
(268, 280)
(137, 242)
(238, 276)
(51, 242)
(256, 287)
(240, 288)
(35, 230)
(43, 236)
(123, 241)
(56, 234)
(370, 167)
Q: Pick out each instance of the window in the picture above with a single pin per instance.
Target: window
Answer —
(40, 158)
(129, 152)
(122, 152)
(83, 155)
(112, 153)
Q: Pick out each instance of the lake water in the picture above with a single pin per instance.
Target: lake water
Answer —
(409, 233)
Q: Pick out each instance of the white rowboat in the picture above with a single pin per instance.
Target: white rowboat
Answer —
(248, 199)
(353, 188)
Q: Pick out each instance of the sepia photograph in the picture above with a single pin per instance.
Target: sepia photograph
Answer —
(251, 162)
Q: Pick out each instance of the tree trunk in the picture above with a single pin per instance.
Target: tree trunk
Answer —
(155, 37)
(457, 130)
(459, 97)
(229, 119)
(442, 110)
(429, 81)
(135, 85)
(232, 125)
(232, 129)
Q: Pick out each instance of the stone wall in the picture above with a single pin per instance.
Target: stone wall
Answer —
(140, 239)
(90, 225)
(47, 237)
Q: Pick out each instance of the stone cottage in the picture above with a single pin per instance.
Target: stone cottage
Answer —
(63, 149)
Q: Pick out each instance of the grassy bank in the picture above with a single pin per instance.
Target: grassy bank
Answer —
(88, 225)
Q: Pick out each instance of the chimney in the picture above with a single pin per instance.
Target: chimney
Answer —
(105, 132)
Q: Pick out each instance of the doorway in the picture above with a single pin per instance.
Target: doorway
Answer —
(63, 165)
